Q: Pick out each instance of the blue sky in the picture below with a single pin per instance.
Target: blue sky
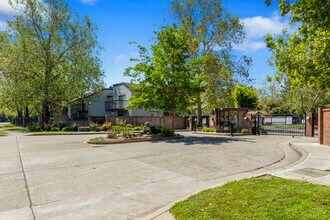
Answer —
(124, 21)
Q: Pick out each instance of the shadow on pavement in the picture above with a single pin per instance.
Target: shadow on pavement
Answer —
(189, 140)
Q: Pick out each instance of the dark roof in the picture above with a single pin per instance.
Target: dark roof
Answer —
(125, 84)
(88, 95)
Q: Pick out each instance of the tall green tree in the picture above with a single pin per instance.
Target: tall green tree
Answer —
(16, 95)
(167, 78)
(216, 30)
(245, 96)
(303, 57)
(278, 96)
(60, 49)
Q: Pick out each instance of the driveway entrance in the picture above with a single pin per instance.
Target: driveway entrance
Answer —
(60, 177)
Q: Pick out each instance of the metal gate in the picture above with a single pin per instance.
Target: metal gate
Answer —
(290, 125)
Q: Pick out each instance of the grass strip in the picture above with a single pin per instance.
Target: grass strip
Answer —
(52, 133)
(2, 133)
(273, 198)
(13, 128)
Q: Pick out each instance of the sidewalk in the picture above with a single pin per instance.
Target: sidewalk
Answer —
(313, 166)
(316, 166)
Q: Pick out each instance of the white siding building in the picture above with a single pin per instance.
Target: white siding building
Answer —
(109, 102)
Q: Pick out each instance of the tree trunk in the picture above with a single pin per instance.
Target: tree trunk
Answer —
(46, 113)
(199, 112)
(25, 116)
(173, 122)
(19, 113)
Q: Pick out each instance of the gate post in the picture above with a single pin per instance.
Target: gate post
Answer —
(191, 123)
(309, 124)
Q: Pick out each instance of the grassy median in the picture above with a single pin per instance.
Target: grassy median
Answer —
(254, 198)
(2, 133)
(10, 127)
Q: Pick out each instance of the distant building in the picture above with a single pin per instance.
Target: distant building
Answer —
(109, 102)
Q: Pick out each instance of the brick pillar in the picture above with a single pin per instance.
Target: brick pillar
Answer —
(320, 125)
(309, 124)
(326, 126)
(212, 121)
(248, 122)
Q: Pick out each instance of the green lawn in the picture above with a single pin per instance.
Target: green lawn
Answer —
(6, 125)
(2, 133)
(10, 127)
(52, 133)
(273, 198)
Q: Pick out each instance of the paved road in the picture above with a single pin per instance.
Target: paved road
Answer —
(60, 177)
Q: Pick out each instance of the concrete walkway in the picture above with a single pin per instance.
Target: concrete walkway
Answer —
(313, 165)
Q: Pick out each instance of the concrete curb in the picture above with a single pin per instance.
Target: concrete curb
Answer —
(164, 214)
(220, 134)
(124, 141)
(73, 133)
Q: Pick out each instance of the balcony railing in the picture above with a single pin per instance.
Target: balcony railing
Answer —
(115, 105)
(78, 109)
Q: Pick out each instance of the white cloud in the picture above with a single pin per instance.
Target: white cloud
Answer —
(250, 46)
(259, 26)
(89, 2)
(5, 7)
(120, 59)
(256, 29)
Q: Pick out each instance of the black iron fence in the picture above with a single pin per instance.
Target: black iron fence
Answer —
(20, 121)
(290, 125)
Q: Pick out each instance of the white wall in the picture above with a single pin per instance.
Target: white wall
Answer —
(96, 107)
(96, 104)
(119, 90)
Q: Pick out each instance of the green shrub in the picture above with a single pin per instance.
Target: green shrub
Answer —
(32, 128)
(54, 129)
(137, 128)
(75, 128)
(147, 124)
(115, 128)
(126, 131)
(111, 135)
(146, 130)
(104, 128)
(244, 131)
(98, 129)
(67, 128)
(94, 127)
(155, 130)
(208, 130)
(61, 125)
(167, 131)
(53, 126)
(84, 129)
(237, 130)
(46, 127)
(120, 122)
(128, 125)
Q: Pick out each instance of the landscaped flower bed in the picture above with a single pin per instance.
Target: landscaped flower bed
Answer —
(124, 133)
(119, 140)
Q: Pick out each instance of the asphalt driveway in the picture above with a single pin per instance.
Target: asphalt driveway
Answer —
(61, 177)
